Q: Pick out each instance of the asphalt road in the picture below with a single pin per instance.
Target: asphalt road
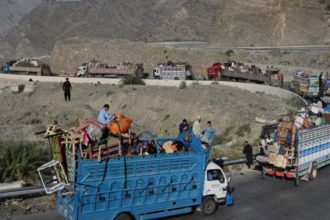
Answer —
(255, 198)
(205, 45)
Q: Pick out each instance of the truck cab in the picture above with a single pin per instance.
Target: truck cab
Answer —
(81, 71)
(216, 189)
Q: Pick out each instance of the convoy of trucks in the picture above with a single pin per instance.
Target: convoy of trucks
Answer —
(125, 187)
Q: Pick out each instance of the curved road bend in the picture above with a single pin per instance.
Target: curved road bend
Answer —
(271, 199)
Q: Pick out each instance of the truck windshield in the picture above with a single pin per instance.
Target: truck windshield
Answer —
(213, 175)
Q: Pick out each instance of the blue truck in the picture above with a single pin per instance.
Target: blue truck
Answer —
(310, 152)
(142, 186)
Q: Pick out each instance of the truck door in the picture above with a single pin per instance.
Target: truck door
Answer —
(215, 183)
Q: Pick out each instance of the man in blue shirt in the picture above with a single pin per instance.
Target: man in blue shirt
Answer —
(208, 133)
(104, 116)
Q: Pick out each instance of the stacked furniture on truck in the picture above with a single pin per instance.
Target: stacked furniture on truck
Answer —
(300, 146)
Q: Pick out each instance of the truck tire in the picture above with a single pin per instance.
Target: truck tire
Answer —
(123, 216)
(313, 173)
(209, 206)
(263, 173)
(297, 181)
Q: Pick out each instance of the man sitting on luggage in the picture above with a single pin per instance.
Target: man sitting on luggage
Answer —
(104, 116)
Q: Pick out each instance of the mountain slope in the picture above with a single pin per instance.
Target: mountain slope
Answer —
(223, 22)
(11, 11)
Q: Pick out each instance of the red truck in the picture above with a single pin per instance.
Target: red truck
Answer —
(233, 71)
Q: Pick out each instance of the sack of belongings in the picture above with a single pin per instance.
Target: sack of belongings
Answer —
(281, 161)
(272, 158)
(121, 124)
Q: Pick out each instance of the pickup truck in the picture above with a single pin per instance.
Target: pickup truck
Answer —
(141, 186)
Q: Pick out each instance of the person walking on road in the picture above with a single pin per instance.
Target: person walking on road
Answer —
(248, 154)
(67, 90)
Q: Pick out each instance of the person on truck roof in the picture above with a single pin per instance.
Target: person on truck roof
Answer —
(104, 116)
(209, 133)
(196, 129)
(183, 126)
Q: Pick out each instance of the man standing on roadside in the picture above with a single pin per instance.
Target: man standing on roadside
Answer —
(67, 90)
(248, 154)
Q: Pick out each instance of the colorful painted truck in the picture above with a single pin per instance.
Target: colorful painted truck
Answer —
(305, 85)
(138, 187)
(310, 152)
(173, 71)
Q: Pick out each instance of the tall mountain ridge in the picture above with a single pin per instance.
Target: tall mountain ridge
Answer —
(220, 22)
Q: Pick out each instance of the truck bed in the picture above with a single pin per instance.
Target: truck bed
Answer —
(244, 76)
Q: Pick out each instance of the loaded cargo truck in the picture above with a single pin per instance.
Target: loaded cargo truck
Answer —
(111, 72)
(310, 152)
(231, 72)
(142, 186)
(173, 71)
(42, 70)
(305, 85)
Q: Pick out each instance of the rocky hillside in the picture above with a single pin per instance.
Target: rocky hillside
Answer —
(231, 110)
(225, 22)
(11, 12)
(70, 53)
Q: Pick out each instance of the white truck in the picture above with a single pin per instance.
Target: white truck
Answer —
(176, 71)
(110, 72)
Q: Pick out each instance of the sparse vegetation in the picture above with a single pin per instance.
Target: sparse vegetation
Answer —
(124, 106)
(243, 129)
(132, 80)
(166, 117)
(109, 93)
(214, 83)
(326, 3)
(225, 137)
(20, 88)
(35, 121)
(19, 161)
(182, 85)
(229, 53)
(73, 123)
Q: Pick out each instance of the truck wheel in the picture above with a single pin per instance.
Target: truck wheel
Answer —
(209, 206)
(263, 173)
(123, 216)
(313, 173)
